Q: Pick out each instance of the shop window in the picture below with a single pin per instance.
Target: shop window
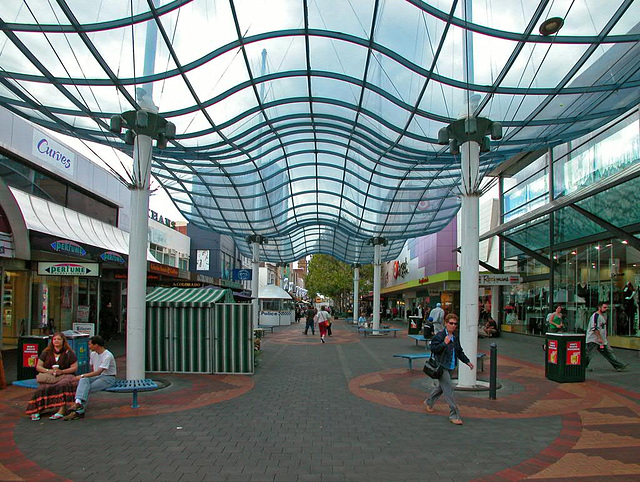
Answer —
(596, 273)
(15, 305)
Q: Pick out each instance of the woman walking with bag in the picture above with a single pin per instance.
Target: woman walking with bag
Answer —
(446, 348)
(323, 319)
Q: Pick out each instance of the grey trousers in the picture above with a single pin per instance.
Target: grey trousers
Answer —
(93, 384)
(606, 352)
(445, 387)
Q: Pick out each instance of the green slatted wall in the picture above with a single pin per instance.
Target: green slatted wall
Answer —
(191, 338)
(199, 338)
(157, 355)
(233, 338)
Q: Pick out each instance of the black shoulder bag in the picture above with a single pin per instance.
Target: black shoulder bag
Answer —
(432, 368)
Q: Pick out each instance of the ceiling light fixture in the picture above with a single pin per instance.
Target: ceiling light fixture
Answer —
(551, 26)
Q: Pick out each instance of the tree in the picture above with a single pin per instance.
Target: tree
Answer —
(334, 279)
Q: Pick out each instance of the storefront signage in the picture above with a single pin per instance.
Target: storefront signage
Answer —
(242, 274)
(84, 328)
(186, 284)
(423, 280)
(161, 219)
(66, 246)
(29, 355)
(505, 279)
(552, 351)
(573, 352)
(124, 276)
(68, 269)
(53, 153)
(112, 257)
(164, 269)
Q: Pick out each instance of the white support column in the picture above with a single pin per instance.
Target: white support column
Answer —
(469, 260)
(495, 296)
(137, 270)
(356, 289)
(376, 285)
(255, 283)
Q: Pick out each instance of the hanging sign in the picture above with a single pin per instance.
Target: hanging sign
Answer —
(573, 352)
(241, 274)
(112, 257)
(553, 352)
(66, 246)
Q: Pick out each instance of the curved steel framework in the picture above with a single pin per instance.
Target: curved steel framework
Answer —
(314, 123)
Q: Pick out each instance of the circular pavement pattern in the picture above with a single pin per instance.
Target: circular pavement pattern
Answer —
(525, 393)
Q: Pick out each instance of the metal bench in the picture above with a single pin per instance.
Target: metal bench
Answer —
(379, 330)
(267, 327)
(133, 386)
(418, 338)
(413, 356)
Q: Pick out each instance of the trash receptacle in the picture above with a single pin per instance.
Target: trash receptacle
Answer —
(565, 360)
(415, 325)
(79, 343)
(29, 347)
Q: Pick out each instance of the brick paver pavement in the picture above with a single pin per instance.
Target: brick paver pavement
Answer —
(341, 411)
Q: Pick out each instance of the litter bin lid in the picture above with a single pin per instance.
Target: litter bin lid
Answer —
(565, 334)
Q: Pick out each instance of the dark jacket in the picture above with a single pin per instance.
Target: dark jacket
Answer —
(443, 351)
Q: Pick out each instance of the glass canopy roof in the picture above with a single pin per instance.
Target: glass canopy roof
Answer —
(313, 123)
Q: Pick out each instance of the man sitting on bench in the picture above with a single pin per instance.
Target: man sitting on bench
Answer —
(102, 377)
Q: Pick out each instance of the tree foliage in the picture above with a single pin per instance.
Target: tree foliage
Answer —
(334, 279)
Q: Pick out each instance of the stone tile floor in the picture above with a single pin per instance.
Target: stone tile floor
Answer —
(341, 411)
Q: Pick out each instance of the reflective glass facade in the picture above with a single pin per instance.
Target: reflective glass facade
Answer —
(583, 261)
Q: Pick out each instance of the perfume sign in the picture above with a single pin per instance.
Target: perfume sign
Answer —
(68, 269)
(53, 153)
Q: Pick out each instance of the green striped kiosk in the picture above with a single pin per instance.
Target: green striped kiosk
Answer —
(198, 330)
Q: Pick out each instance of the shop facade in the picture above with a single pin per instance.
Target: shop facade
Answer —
(570, 228)
(64, 225)
(424, 274)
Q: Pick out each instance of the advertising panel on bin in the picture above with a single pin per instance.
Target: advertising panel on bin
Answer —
(553, 352)
(29, 355)
(573, 352)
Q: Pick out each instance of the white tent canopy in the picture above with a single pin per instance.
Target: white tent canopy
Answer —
(273, 292)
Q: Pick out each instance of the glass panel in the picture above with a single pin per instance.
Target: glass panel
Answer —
(604, 272)
(598, 158)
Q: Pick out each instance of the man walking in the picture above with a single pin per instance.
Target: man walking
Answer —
(102, 377)
(438, 318)
(597, 339)
(309, 314)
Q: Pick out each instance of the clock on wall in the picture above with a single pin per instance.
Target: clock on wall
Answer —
(202, 260)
